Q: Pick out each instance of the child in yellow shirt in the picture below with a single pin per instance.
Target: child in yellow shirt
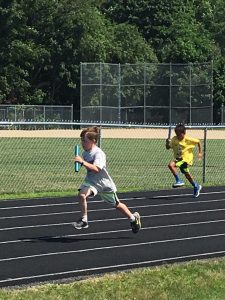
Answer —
(182, 146)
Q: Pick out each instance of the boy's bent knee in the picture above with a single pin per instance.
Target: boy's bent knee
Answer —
(117, 204)
(171, 164)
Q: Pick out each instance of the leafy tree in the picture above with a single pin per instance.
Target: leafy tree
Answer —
(187, 40)
(172, 27)
(130, 47)
(45, 41)
(214, 21)
(151, 17)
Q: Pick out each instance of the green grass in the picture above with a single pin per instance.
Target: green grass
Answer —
(45, 165)
(196, 280)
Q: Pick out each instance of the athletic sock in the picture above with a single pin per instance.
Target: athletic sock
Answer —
(177, 178)
(132, 218)
(84, 218)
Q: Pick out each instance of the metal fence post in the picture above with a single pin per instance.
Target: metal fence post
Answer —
(100, 92)
(170, 96)
(144, 93)
(212, 91)
(100, 137)
(81, 89)
(119, 93)
(222, 112)
(190, 91)
(204, 156)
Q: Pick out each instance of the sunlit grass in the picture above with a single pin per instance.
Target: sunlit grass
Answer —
(45, 165)
(197, 280)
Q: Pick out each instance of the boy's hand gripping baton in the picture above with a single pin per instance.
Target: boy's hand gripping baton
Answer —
(76, 164)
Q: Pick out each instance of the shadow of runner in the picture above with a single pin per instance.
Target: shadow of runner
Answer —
(52, 239)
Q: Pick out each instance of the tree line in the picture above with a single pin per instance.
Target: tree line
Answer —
(42, 42)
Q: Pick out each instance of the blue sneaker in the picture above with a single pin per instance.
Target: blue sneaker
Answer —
(197, 190)
(179, 183)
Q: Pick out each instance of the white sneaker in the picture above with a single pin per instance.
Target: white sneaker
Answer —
(136, 224)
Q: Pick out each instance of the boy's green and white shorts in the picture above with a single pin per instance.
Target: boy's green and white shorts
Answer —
(109, 197)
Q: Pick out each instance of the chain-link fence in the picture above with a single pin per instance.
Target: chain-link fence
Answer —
(42, 160)
(39, 113)
(147, 93)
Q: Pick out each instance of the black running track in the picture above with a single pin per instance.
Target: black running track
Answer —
(38, 243)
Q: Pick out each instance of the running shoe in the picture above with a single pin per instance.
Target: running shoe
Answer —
(136, 225)
(178, 184)
(80, 224)
(197, 190)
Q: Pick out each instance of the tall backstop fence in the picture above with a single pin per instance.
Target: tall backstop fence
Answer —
(147, 93)
(41, 160)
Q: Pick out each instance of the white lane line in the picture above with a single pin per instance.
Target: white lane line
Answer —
(62, 204)
(66, 197)
(188, 212)
(57, 198)
(36, 226)
(38, 205)
(97, 201)
(112, 247)
(113, 231)
(112, 208)
(136, 264)
(187, 194)
(116, 219)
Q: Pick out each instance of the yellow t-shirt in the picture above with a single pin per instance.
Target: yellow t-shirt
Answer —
(184, 149)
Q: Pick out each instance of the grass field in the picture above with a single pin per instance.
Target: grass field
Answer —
(37, 165)
(196, 280)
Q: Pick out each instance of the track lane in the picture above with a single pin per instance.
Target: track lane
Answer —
(38, 243)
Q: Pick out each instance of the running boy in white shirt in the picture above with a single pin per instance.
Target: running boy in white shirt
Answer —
(98, 180)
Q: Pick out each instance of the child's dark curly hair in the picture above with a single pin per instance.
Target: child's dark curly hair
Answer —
(180, 128)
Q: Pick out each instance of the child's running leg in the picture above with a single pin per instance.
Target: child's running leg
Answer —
(134, 218)
(197, 187)
(83, 221)
(173, 168)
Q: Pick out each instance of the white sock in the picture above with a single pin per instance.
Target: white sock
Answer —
(84, 218)
(132, 218)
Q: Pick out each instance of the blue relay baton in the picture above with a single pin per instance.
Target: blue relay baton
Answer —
(76, 164)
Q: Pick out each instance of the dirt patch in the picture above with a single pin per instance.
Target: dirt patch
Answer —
(129, 133)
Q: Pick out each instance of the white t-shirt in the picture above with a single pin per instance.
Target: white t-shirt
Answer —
(101, 180)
